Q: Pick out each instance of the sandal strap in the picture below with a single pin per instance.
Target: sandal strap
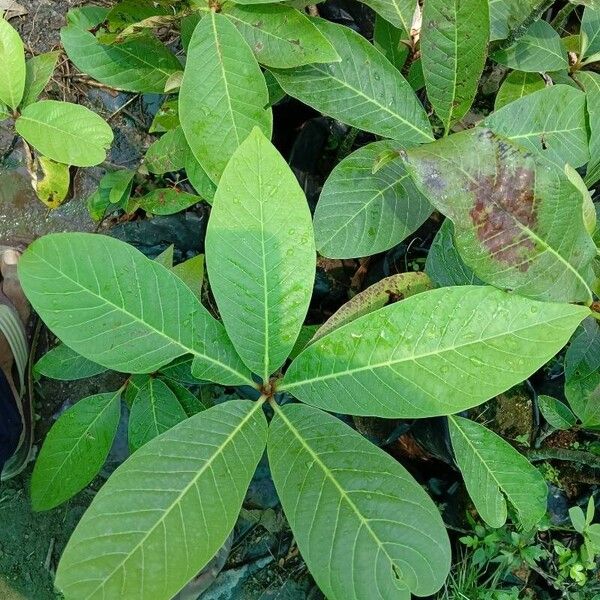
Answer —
(13, 330)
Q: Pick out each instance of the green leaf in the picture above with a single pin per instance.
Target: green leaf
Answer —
(507, 16)
(577, 518)
(167, 201)
(590, 32)
(516, 85)
(304, 337)
(197, 176)
(591, 84)
(582, 373)
(141, 64)
(399, 13)
(386, 291)
(454, 39)
(119, 184)
(557, 414)
(435, 353)
(114, 189)
(260, 254)
(167, 154)
(390, 41)
(140, 318)
(517, 218)
(63, 363)
(155, 410)
(66, 133)
(39, 70)
(181, 492)
(167, 117)
(276, 92)
(415, 75)
(495, 472)
(75, 449)
(165, 258)
(363, 90)
(280, 36)
(53, 187)
(549, 122)
(87, 17)
(190, 403)
(361, 522)
(223, 94)
(134, 384)
(444, 265)
(360, 212)
(191, 272)
(12, 65)
(537, 51)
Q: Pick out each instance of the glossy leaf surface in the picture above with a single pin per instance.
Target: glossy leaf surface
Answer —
(75, 449)
(182, 491)
(435, 353)
(361, 212)
(494, 473)
(223, 94)
(362, 523)
(140, 318)
(454, 38)
(363, 90)
(260, 254)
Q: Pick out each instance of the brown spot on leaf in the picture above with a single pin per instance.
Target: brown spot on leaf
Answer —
(504, 208)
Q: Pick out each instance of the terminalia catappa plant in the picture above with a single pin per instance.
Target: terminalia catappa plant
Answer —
(363, 524)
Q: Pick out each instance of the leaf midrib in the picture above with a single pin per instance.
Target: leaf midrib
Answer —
(412, 358)
(135, 318)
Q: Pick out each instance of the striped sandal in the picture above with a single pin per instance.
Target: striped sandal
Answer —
(16, 413)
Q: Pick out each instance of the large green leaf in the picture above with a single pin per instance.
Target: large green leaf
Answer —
(390, 41)
(12, 65)
(386, 291)
(63, 363)
(67, 133)
(538, 50)
(399, 13)
(454, 39)
(516, 85)
(495, 472)
(362, 523)
(517, 218)
(444, 264)
(140, 64)
(364, 89)
(39, 70)
(281, 36)
(435, 353)
(260, 255)
(590, 32)
(167, 510)
(550, 122)
(155, 410)
(75, 449)
(116, 307)
(582, 373)
(591, 84)
(223, 94)
(361, 212)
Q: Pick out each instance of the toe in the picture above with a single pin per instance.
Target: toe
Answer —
(10, 283)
